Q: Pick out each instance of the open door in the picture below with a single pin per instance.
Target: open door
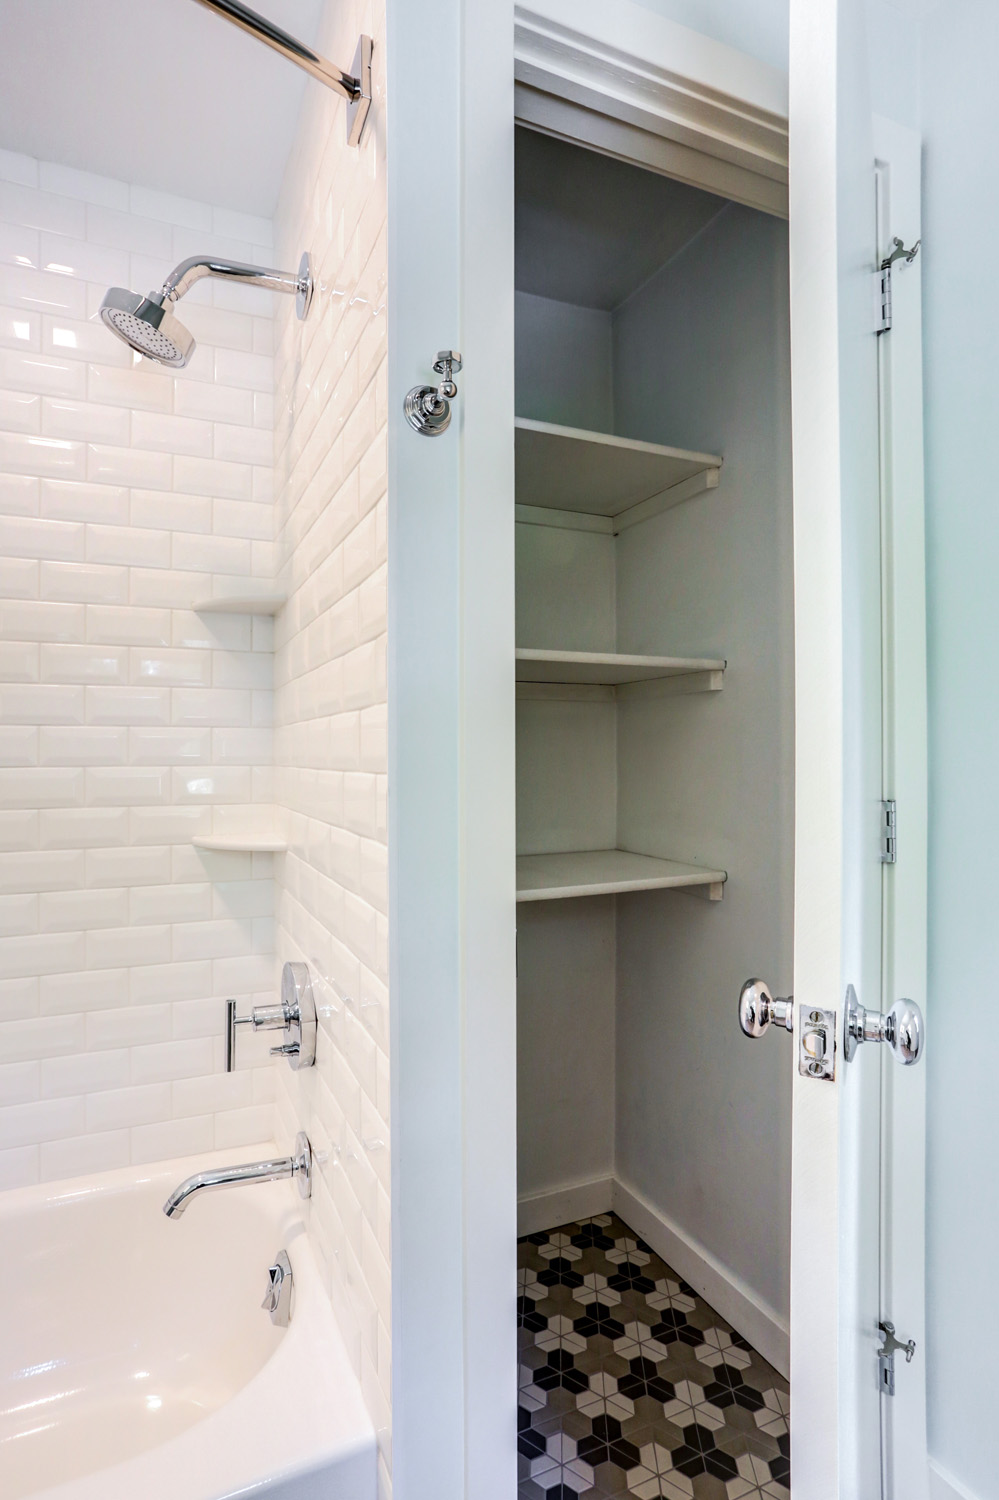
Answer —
(847, 917)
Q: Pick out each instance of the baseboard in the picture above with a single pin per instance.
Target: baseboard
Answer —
(561, 1205)
(748, 1315)
(728, 1294)
(944, 1486)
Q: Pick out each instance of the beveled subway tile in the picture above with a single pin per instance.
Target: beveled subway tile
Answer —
(91, 746)
(57, 458)
(84, 583)
(21, 328)
(73, 500)
(41, 292)
(81, 419)
(127, 625)
(103, 665)
(129, 466)
(143, 387)
(20, 411)
(83, 260)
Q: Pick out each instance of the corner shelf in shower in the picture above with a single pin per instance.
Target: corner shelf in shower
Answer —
(614, 669)
(241, 604)
(230, 843)
(608, 872)
(594, 481)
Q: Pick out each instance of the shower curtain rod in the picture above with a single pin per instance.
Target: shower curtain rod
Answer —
(354, 86)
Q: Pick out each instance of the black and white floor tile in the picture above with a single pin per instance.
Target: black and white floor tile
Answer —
(631, 1385)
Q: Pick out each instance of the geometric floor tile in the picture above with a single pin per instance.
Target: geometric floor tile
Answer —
(631, 1386)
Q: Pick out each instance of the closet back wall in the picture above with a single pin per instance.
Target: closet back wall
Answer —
(125, 718)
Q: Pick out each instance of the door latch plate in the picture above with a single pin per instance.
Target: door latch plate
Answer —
(817, 1043)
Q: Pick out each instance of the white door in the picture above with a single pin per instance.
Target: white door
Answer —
(449, 116)
(841, 775)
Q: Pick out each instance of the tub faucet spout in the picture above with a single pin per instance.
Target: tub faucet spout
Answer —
(298, 1166)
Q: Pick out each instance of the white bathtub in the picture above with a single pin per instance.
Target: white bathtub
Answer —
(137, 1364)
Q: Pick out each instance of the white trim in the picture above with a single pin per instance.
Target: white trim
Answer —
(660, 43)
(652, 107)
(903, 1216)
(748, 1314)
(727, 1293)
(564, 1205)
(944, 1486)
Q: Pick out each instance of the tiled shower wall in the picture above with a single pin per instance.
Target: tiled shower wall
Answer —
(330, 707)
(127, 492)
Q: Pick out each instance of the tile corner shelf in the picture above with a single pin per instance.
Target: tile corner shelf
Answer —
(605, 872)
(230, 843)
(241, 604)
(595, 481)
(617, 670)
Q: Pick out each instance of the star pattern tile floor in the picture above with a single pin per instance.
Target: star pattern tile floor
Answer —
(631, 1385)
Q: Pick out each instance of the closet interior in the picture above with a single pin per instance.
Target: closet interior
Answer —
(654, 810)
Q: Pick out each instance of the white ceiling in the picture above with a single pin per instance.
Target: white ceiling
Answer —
(157, 92)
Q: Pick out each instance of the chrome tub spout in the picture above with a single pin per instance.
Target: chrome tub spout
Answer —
(298, 1166)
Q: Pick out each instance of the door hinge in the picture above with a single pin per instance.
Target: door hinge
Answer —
(886, 1357)
(889, 843)
(882, 283)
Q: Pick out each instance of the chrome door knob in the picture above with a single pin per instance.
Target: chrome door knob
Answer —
(757, 1008)
(902, 1028)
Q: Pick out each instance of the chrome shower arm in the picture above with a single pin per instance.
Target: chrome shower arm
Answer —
(181, 280)
(288, 46)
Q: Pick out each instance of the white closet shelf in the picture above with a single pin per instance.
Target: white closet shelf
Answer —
(235, 843)
(241, 604)
(606, 668)
(606, 872)
(597, 482)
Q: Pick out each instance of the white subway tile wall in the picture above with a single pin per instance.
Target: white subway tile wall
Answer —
(127, 493)
(330, 696)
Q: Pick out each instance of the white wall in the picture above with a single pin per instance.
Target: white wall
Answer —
(127, 721)
(330, 700)
(961, 311)
(703, 1116)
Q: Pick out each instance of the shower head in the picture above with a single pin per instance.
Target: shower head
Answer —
(148, 325)
(145, 325)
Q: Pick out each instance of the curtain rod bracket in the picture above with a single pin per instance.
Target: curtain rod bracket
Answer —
(354, 86)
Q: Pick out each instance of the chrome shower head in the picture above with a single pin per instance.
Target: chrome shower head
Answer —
(147, 327)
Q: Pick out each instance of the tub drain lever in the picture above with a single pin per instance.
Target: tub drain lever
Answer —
(277, 1298)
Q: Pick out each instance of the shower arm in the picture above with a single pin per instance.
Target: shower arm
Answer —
(181, 280)
(355, 87)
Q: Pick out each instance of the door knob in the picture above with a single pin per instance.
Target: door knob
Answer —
(757, 1008)
(902, 1028)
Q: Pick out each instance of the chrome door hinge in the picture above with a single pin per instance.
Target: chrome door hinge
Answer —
(889, 846)
(882, 283)
(886, 1357)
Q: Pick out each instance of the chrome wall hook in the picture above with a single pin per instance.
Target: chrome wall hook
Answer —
(427, 407)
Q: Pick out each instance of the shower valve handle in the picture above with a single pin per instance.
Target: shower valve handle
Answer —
(295, 1015)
